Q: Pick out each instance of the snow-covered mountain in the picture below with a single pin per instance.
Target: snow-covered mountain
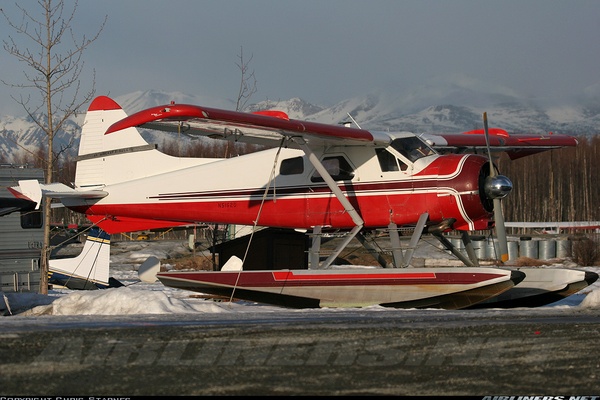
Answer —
(448, 109)
(21, 136)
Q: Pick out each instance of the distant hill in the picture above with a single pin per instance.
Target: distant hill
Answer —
(449, 109)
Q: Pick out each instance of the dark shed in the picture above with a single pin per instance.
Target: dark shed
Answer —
(271, 249)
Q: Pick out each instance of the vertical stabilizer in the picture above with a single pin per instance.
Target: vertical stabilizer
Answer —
(120, 157)
(88, 270)
(94, 147)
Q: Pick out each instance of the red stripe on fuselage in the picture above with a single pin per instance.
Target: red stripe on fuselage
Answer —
(304, 210)
(376, 210)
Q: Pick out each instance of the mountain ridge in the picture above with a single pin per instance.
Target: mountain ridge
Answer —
(430, 110)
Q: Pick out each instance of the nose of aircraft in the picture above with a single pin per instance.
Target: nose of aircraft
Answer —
(497, 187)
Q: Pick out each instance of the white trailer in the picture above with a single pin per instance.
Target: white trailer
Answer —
(21, 233)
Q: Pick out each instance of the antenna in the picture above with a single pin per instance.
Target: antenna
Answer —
(353, 120)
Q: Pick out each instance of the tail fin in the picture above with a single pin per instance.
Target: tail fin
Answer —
(107, 164)
(120, 157)
(88, 270)
(93, 170)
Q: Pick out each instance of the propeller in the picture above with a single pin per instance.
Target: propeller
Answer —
(496, 188)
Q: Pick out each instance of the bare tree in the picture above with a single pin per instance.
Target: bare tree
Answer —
(246, 90)
(54, 57)
(247, 81)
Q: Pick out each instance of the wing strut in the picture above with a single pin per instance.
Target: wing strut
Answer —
(469, 262)
(414, 241)
(402, 255)
(356, 218)
(313, 260)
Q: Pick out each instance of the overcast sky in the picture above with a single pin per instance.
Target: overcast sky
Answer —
(325, 51)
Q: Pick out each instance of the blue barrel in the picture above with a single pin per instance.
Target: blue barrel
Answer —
(547, 249)
(494, 249)
(480, 247)
(529, 248)
(563, 248)
(458, 244)
(513, 250)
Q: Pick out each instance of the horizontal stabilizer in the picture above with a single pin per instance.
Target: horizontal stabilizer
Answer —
(35, 191)
(31, 189)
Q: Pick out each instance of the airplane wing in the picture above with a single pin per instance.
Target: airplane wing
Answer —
(515, 145)
(262, 127)
(269, 127)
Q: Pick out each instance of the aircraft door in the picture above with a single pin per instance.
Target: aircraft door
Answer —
(396, 175)
(420, 194)
(327, 211)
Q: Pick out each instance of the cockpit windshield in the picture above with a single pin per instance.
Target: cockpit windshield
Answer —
(412, 148)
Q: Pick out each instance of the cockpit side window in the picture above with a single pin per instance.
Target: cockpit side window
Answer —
(412, 148)
(338, 167)
(388, 162)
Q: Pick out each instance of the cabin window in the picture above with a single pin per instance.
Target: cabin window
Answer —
(292, 166)
(388, 162)
(31, 219)
(338, 167)
(412, 148)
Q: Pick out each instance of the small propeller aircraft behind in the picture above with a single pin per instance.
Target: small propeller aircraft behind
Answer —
(314, 177)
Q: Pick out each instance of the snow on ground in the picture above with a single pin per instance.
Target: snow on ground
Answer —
(137, 297)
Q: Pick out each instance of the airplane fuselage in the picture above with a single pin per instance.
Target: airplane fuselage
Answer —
(280, 188)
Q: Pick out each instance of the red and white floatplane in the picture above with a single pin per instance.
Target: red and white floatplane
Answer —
(313, 177)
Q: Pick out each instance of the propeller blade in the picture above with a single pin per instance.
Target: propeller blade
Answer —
(487, 145)
(498, 216)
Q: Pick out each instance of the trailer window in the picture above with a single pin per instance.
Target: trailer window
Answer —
(31, 219)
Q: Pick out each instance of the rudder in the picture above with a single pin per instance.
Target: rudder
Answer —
(92, 171)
